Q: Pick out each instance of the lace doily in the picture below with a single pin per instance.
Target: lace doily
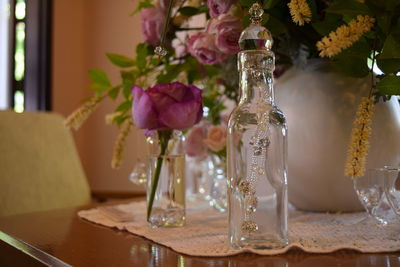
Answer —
(205, 233)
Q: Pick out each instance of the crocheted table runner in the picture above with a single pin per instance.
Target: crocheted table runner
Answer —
(205, 233)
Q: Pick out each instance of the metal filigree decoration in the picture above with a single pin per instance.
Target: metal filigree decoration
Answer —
(259, 141)
(160, 51)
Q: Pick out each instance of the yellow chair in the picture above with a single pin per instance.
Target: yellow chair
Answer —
(39, 164)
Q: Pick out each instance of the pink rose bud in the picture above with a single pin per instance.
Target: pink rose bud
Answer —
(227, 29)
(180, 48)
(216, 138)
(202, 46)
(167, 106)
(194, 144)
(218, 7)
(152, 22)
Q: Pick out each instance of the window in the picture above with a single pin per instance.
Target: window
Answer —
(29, 68)
(4, 33)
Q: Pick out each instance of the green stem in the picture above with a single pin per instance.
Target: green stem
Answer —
(166, 23)
(164, 137)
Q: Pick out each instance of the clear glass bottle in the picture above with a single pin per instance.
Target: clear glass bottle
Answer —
(257, 148)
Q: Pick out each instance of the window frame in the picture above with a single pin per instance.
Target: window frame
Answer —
(36, 84)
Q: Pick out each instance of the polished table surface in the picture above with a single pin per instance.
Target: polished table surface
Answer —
(73, 241)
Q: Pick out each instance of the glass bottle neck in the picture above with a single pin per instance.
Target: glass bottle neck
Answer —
(256, 76)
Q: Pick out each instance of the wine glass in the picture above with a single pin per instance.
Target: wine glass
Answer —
(392, 187)
(370, 192)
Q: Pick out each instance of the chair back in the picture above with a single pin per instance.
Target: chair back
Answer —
(40, 168)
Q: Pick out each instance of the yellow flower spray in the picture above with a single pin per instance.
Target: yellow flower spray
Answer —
(359, 144)
(300, 11)
(359, 141)
(120, 143)
(80, 115)
(344, 36)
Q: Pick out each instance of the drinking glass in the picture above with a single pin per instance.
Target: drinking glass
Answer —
(392, 187)
(370, 192)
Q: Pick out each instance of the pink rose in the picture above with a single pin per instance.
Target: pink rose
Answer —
(167, 106)
(152, 24)
(202, 46)
(227, 29)
(194, 144)
(218, 7)
(179, 47)
(216, 138)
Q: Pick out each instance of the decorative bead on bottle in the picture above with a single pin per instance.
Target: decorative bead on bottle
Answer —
(257, 148)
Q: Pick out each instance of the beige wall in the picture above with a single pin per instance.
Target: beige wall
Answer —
(84, 30)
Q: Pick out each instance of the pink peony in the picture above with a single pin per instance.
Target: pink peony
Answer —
(152, 24)
(194, 144)
(167, 106)
(218, 7)
(216, 138)
(227, 29)
(202, 46)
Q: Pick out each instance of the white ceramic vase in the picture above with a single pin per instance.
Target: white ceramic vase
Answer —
(320, 107)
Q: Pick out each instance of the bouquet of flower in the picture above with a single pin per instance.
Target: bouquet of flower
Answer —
(195, 42)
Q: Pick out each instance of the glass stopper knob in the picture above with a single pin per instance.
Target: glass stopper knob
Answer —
(255, 36)
(256, 13)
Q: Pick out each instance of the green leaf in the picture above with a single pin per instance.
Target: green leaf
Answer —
(113, 93)
(124, 106)
(275, 26)
(120, 119)
(142, 51)
(384, 22)
(349, 8)
(391, 4)
(390, 65)
(170, 74)
(270, 3)
(246, 21)
(330, 23)
(188, 11)
(99, 77)
(203, 8)
(360, 49)
(98, 88)
(247, 3)
(351, 66)
(390, 85)
(391, 48)
(314, 10)
(120, 61)
(128, 80)
(142, 4)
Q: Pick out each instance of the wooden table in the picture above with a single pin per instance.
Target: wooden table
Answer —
(59, 238)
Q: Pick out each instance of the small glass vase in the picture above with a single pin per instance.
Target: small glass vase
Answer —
(219, 187)
(166, 179)
(198, 179)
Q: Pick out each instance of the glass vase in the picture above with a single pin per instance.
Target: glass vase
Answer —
(219, 188)
(257, 149)
(166, 179)
(198, 180)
